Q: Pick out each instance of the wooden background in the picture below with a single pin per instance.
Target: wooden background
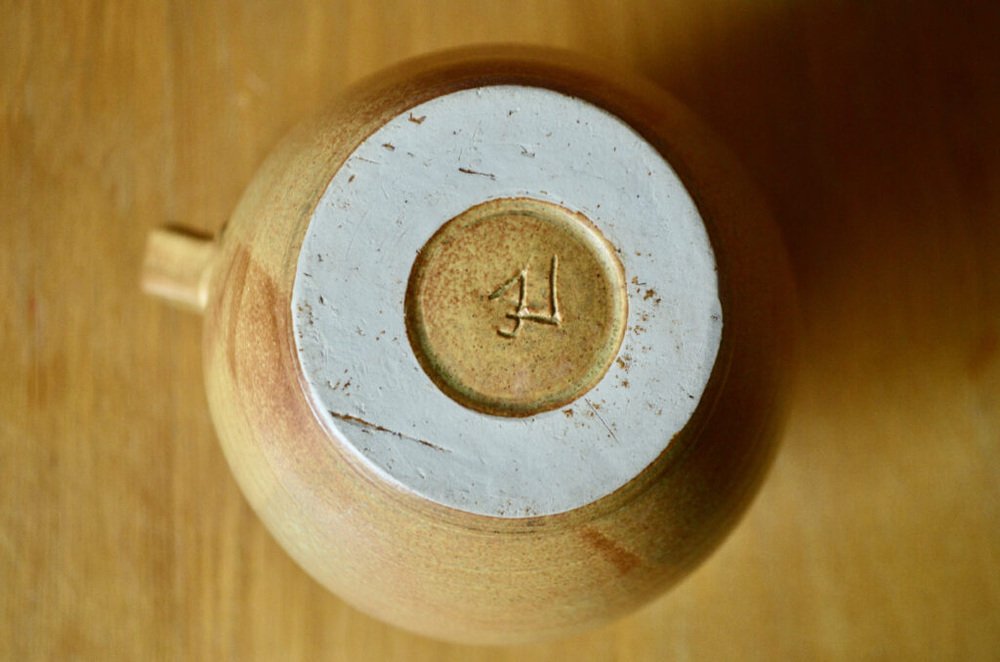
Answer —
(874, 128)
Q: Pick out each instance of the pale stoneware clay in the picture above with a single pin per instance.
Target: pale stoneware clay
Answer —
(496, 348)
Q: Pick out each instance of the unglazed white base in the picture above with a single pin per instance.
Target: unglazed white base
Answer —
(397, 188)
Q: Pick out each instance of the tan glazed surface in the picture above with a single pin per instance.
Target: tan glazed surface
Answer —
(460, 575)
(510, 335)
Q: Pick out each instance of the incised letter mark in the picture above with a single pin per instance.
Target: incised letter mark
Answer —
(523, 313)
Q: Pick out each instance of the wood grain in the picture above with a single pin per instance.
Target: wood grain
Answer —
(871, 126)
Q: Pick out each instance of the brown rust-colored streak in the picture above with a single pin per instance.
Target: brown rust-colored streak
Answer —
(613, 552)
(258, 318)
(983, 353)
(232, 286)
(264, 359)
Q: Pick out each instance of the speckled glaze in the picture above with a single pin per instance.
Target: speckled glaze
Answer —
(442, 571)
(506, 368)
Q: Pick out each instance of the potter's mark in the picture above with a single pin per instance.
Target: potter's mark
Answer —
(523, 313)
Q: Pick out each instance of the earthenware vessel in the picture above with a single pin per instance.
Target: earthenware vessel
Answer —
(497, 347)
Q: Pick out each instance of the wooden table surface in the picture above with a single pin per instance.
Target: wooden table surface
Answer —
(874, 129)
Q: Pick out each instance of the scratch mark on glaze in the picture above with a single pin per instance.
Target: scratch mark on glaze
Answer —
(601, 419)
(470, 171)
(374, 426)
